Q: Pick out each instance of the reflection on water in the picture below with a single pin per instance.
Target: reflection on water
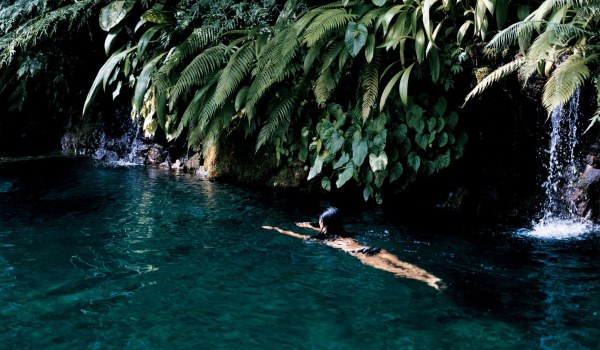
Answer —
(95, 257)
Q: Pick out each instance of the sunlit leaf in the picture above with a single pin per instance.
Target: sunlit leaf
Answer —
(356, 37)
(113, 13)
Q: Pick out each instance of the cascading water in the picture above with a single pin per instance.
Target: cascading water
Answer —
(123, 150)
(558, 217)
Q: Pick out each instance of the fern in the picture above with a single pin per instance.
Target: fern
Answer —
(45, 25)
(189, 119)
(206, 63)
(563, 82)
(327, 22)
(235, 72)
(493, 77)
(369, 85)
(280, 115)
(274, 65)
(193, 44)
(510, 35)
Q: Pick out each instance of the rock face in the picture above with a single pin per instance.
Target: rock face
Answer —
(586, 192)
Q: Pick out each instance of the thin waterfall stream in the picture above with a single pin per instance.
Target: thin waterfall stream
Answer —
(558, 217)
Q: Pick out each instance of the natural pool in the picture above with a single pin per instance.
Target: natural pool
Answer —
(99, 257)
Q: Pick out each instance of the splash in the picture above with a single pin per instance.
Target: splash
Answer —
(559, 229)
(123, 151)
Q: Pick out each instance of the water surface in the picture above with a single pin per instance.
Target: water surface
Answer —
(100, 257)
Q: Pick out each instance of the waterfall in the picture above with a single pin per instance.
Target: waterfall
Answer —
(562, 167)
(123, 150)
(559, 220)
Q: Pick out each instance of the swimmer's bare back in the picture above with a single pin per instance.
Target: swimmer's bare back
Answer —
(374, 257)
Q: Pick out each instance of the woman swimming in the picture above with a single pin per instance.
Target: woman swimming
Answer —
(332, 233)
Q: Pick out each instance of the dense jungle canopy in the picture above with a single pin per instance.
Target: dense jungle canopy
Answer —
(374, 93)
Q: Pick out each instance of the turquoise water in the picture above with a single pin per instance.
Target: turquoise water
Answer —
(95, 257)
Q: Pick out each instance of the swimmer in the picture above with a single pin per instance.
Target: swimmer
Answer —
(332, 233)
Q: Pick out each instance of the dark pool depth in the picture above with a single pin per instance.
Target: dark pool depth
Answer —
(99, 257)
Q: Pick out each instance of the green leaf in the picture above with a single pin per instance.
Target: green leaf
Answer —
(113, 13)
(367, 192)
(400, 133)
(523, 11)
(427, 22)
(414, 161)
(103, 75)
(159, 17)
(440, 124)
(420, 46)
(388, 88)
(240, 98)
(379, 2)
(431, 122)
(405, 147)
(396, 172)
(404, 84)
(110, 38)
(422, 140)
(443, 139)
(360, 150)
(379, 162)
(440, 106)
(342, 161)
(356, 37)
(434, 64)
(336, 142)
(443, 160)
(143, 80)
(452, 120)
(326, 183)
(462, 31)
(316, 168)
(344, 176)
(380, 177)
(145, 39)
(501, 12)
(370, 47)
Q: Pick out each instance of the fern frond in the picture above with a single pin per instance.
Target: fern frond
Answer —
(563, 82)
(194, 43)
(190, 116)
(42, 26)
(236, 70)
(369, 85)
(280, 116)
(198, 40)
(493, 77)
(204, 119)
(205, 63)
(274, 65)
(325, 84)
(324, 24)
(511, 34)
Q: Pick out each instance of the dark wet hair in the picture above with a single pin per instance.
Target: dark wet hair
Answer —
(332, 221)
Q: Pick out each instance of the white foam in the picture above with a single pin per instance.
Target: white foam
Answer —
(560, 229)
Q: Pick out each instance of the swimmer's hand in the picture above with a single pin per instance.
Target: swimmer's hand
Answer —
(304, 224)
(437, 284)
(269, 228)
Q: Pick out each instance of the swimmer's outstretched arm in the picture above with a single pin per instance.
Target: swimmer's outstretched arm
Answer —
(286, 232)
(308, 225)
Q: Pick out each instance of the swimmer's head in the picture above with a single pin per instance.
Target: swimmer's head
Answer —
(330, 221)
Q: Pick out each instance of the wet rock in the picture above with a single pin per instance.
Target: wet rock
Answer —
(156, 154)
(586, 193)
